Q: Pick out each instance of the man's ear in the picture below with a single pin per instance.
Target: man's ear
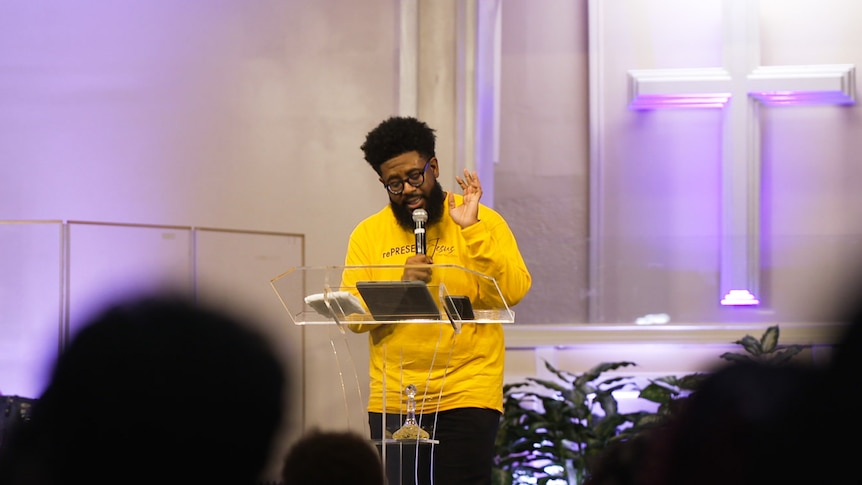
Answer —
(435, 167)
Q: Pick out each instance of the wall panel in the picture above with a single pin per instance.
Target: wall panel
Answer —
(31, 296)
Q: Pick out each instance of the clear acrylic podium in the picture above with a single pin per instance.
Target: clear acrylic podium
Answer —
(328, 283)
(332, 295)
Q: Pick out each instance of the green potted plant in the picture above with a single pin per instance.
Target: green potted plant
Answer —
(552, 428)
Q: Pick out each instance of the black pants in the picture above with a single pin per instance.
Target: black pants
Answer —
(463, 456)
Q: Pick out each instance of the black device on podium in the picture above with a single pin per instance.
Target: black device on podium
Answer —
(400, 300)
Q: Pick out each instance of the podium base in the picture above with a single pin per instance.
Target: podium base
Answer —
(407, 462)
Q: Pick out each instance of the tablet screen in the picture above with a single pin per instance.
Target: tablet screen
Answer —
(398, 300)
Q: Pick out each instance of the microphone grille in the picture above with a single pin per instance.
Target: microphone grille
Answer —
(420, 215)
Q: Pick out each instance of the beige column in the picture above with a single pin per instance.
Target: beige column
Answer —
(450, 62)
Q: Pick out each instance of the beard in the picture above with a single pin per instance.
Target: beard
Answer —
(433, 205)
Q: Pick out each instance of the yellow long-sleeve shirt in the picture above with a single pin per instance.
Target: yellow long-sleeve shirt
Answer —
(449, 370)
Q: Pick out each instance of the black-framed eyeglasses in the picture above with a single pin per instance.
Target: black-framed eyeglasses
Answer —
(416, 179)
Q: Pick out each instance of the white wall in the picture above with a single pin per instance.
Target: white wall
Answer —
(223, 114)
(543, 173)
(244, 115)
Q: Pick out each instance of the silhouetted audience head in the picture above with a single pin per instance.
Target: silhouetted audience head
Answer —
(846, 362)
(333, 458)
(628, 462)
(749, 423)
(844, 386)
(155, 390)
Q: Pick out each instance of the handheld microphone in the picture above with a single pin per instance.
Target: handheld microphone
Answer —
(420, 217)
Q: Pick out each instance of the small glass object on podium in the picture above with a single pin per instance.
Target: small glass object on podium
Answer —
(410, 430)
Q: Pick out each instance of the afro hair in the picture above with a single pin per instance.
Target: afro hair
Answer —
(395, 136)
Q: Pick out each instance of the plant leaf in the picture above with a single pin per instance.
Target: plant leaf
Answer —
(600, 369)
(560, 375)
(769, 339)
(691, 382)
(750, 344)
(734, 357)
(786, 353)
(657, 393)
(547, 384)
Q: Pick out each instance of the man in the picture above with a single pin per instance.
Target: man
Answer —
(458, 375)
